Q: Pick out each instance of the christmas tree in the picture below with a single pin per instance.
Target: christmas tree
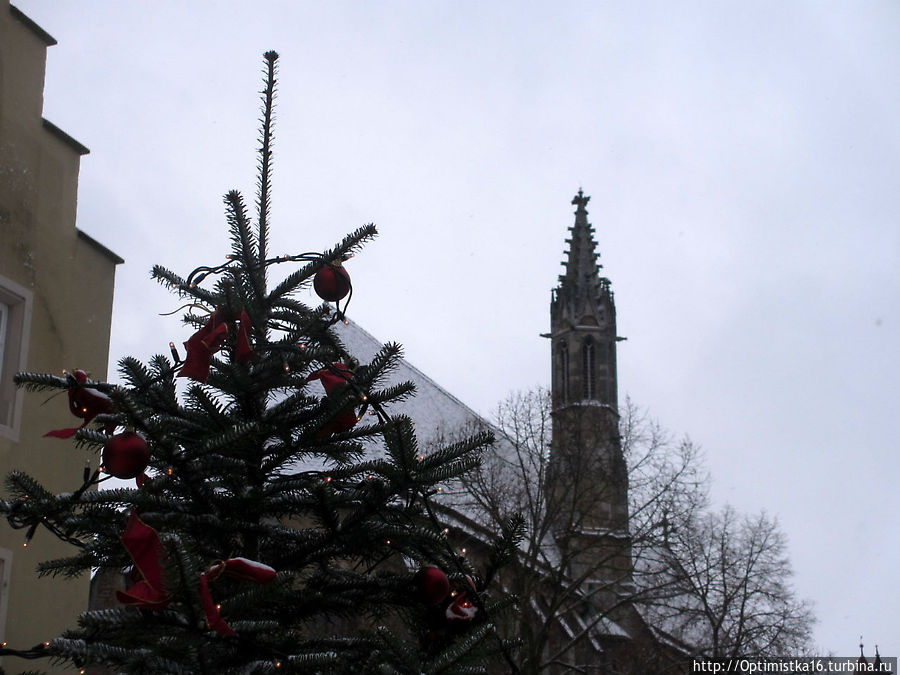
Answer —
(282, 518)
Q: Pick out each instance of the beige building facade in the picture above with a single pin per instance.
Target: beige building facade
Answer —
(56, 292)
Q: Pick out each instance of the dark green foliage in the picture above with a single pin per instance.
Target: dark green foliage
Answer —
(241, 467)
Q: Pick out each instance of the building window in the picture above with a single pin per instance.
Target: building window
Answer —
(5, 571)
(4, 319)
(588, 374)
(15, 327)
(564, 371)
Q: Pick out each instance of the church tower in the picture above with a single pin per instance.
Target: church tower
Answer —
(588, 476)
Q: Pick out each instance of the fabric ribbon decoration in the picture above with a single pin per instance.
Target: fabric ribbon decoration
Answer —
(237, 568)
(209, 339)
(243, 570)
(202, 345)
(84, 402)
(243, 352)
(332, 378)
(143, 544)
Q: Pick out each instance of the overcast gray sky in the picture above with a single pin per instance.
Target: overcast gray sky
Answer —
(743, 160)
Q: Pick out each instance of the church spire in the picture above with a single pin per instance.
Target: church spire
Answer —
(582, 271)
(587, 468)
(583, 321)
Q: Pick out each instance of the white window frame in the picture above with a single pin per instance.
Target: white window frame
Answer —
(15, 326)
(6, 561)
(4, 321)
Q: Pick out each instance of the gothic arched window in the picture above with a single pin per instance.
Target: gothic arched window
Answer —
(564, 371)
(588, 369)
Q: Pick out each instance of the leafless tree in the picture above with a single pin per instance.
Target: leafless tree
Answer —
(717, 583)
(728, 580)
(569, 586)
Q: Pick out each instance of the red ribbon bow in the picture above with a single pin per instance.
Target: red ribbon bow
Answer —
(332, 378)
(143, 544)
(86, 403)
(209, 339)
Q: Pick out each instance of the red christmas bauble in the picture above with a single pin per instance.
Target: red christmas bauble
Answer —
(126, 455)
(331, 282)
(432, 584)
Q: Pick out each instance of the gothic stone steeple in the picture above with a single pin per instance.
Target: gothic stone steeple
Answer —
(583, 323)
(588, 474)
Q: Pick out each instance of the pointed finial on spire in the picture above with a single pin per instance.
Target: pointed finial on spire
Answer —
(580, 200)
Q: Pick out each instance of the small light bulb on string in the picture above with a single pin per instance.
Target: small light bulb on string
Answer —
(218, 607)
(463, 552)
(46, 644)
(278, 664)
(445, 531)
(421, 458)
(287, 367)
(29, 535)
(174, 352)
(170, 471)
(388, 542)
(327, 479)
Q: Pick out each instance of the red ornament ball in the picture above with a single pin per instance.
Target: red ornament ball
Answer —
(126, 455)
(432, 585)
(331, 282)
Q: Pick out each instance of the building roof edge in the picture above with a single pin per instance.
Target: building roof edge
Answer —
(64, 137)
(424, 377)
(23, 18)
(118, 260)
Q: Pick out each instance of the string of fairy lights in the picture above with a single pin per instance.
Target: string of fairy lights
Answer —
(19, 520)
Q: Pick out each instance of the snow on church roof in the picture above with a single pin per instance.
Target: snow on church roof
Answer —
(433, 409)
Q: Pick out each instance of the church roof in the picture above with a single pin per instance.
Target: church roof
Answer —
(437, 413)
(433, 409)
